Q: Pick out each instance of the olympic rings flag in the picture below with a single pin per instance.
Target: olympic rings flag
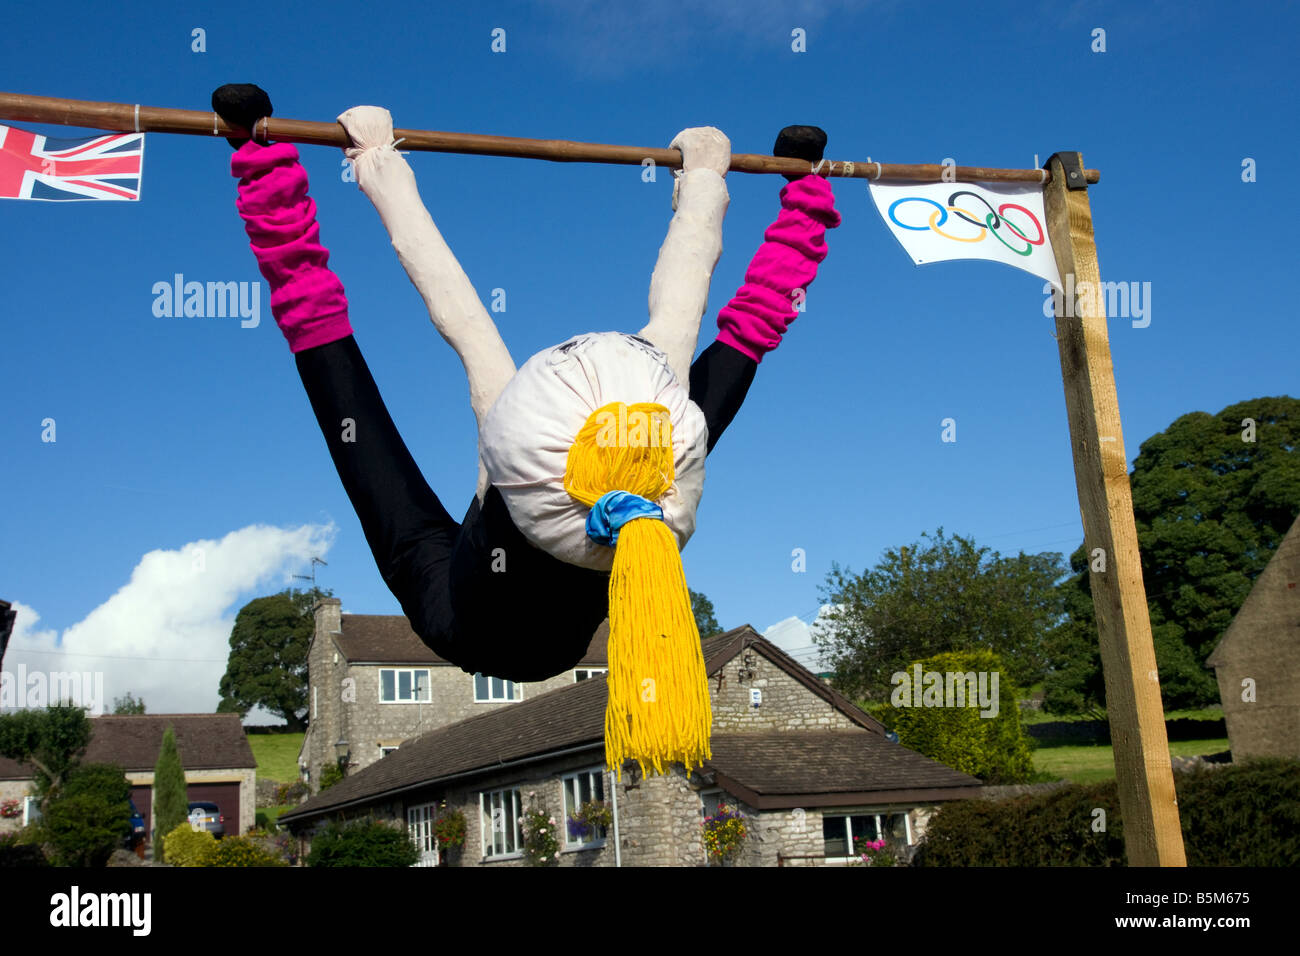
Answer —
(936, 222)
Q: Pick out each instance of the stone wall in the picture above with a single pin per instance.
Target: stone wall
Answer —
(787, 704)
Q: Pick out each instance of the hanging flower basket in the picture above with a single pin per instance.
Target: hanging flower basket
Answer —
(449, 828)
(724, 834)
(589, 819)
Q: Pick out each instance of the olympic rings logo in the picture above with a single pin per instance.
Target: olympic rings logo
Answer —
(991, 224)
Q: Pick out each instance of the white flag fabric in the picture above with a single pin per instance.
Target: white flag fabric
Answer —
(1004, 222)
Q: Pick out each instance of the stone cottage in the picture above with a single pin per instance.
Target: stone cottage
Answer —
(1257, 661)
(372, 683)
(810, 771)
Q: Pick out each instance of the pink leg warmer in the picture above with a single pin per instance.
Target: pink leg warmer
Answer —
(306, 297)
(756, 318)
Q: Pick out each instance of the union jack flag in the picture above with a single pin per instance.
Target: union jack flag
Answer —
(107, 166)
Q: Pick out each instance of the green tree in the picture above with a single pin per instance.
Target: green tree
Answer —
(268, 657)
(170, 800)
(51, 741)
(1213, 495)
(128, 704)
(991, 746)
(942, 594)
(88, 815)
(702, 608)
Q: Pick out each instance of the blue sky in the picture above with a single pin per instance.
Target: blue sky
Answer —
(175, 435)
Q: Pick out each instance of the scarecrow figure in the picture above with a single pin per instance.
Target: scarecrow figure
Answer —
(591, 455)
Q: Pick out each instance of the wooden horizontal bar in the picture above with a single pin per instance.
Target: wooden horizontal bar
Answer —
(127, 117)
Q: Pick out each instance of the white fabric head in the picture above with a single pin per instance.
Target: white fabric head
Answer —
(528, 432)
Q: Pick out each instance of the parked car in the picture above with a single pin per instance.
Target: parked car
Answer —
(135, 829)
(208, 816)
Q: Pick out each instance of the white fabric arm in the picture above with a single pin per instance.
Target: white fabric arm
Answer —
(456, 310)
(679, 287)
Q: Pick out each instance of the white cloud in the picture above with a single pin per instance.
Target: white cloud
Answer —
(795, 637)
(165, 635)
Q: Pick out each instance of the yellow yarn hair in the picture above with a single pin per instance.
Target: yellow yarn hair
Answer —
(658, 709)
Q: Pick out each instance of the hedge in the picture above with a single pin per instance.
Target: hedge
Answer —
(1244, 814)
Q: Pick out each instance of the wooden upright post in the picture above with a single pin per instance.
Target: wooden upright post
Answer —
(1152, 836)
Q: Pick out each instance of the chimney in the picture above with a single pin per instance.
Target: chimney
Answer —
(329, 616)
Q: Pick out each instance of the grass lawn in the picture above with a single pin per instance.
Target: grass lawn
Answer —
(276, 755)
(1093, 763)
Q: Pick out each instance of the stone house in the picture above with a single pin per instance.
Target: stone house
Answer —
(810, 770)
(218, 762)
(372, 683)
(1257, 661)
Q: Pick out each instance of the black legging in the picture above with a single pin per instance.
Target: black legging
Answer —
(526, 622)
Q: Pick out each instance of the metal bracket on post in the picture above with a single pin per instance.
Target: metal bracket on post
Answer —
(1072, 163)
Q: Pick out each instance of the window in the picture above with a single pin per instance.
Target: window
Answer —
(580, 788)
(584, 673)
(840, 833)
(385, 750)
(488, 689)
(499, 816)
(710, 800)
(419, 825)
(404, 686)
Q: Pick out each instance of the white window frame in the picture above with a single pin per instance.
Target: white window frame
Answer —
(571, 802)
(386, 749)
(590, 672)
(880, 816)
(420, 827)
(416, 685)
(511, 806)
(512, 690)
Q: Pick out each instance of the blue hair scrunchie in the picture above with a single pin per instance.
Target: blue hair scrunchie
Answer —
(615, 509)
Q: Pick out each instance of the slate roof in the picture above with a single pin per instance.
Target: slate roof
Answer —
(388, 639)
(573, 718)
(771, 769)
(204, 741)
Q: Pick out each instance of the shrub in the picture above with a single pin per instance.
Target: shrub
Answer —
(330, 774)
(1236, 815)
(541, 837)
(995, 749)
(362, 843)
(88, 816)
(185, 846)
(290, 793)
(239, 851)
(17, 851)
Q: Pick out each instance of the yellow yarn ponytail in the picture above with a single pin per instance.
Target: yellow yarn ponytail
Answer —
(658, 709)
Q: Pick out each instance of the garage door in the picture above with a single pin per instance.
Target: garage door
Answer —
(224, 795)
